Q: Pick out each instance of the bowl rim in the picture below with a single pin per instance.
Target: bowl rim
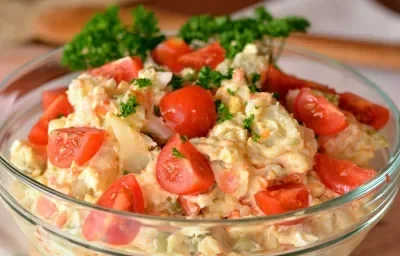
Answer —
(388, 170)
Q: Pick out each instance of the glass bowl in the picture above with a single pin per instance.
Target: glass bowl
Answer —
(335, 227)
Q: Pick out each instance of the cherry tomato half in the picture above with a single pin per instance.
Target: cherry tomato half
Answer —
(48, 97)
(210, 55)
(124, 69)
(274, 80)
(365, 111)
(189, 111)
(341, 176)
(77, 144)
(59, 107)
(283, 199)
(318, 113)
(168, 52)
(183, 170)
(124, 194)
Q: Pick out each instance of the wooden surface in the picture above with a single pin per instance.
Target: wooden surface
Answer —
(383, 240)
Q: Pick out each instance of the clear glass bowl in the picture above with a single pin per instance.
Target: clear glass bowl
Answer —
(333, 228)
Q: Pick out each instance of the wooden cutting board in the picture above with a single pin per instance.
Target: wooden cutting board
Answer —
(58, 26)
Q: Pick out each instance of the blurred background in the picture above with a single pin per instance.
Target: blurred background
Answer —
(362, 33)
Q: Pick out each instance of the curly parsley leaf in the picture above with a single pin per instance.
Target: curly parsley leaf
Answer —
(276, 95)
(142, 82)
(235, 34)
(105, 38)
(223, 112)
(248, 121)
(183, 138)
(208, 78)
(128, 107)
(177, 154)
(231, 92)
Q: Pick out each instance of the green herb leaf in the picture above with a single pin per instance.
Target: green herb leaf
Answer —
(142, 82)
(125, 173)
(177, 154)
(223, 112)
(208, 78)
(255, 78)
(248, 121)
(128, 107)
(176, 82)
(105, 38)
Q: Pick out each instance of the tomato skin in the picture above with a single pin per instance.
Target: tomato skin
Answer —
(48, 97)
(318, 113)
(189, 111)
(44, 207)
(77, 144)
(210, 55)
(124, 194)
(38, 134)
(283, 199)
(59, 107)
(341, 176)
(168, 52)
(365, 111)
(124, 69)
(189, 175)
(274, 80)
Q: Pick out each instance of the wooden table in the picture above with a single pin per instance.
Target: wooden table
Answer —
(382, 240)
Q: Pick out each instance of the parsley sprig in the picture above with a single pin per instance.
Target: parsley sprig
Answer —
(235, 34)
(247, 122)
(128, 107)
(208, 78)
(142, 82)
(223, 112)
(105, 38)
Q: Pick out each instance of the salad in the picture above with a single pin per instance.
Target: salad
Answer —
(204, 125)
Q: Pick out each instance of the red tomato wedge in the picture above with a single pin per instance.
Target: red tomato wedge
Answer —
(187, 174)
(44, 207)
(341, 176)
(277, 81)
(124, 194)
(48, 97)
(168, 52)
(124, 69)
(210, 55)
(189, 111)
(318, 113)
(38, 134)
(77, 144)
(365, 111)
(283, 199)
(59, 107)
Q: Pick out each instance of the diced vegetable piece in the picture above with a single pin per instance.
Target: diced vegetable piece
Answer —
(340, 175)
(78, 144)
(48, 97)
(124, 69)
(183, 170)
(189, 111)
(210, 55)
(318, 113)
(168, 52)
(365, 111)
(124, 195)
